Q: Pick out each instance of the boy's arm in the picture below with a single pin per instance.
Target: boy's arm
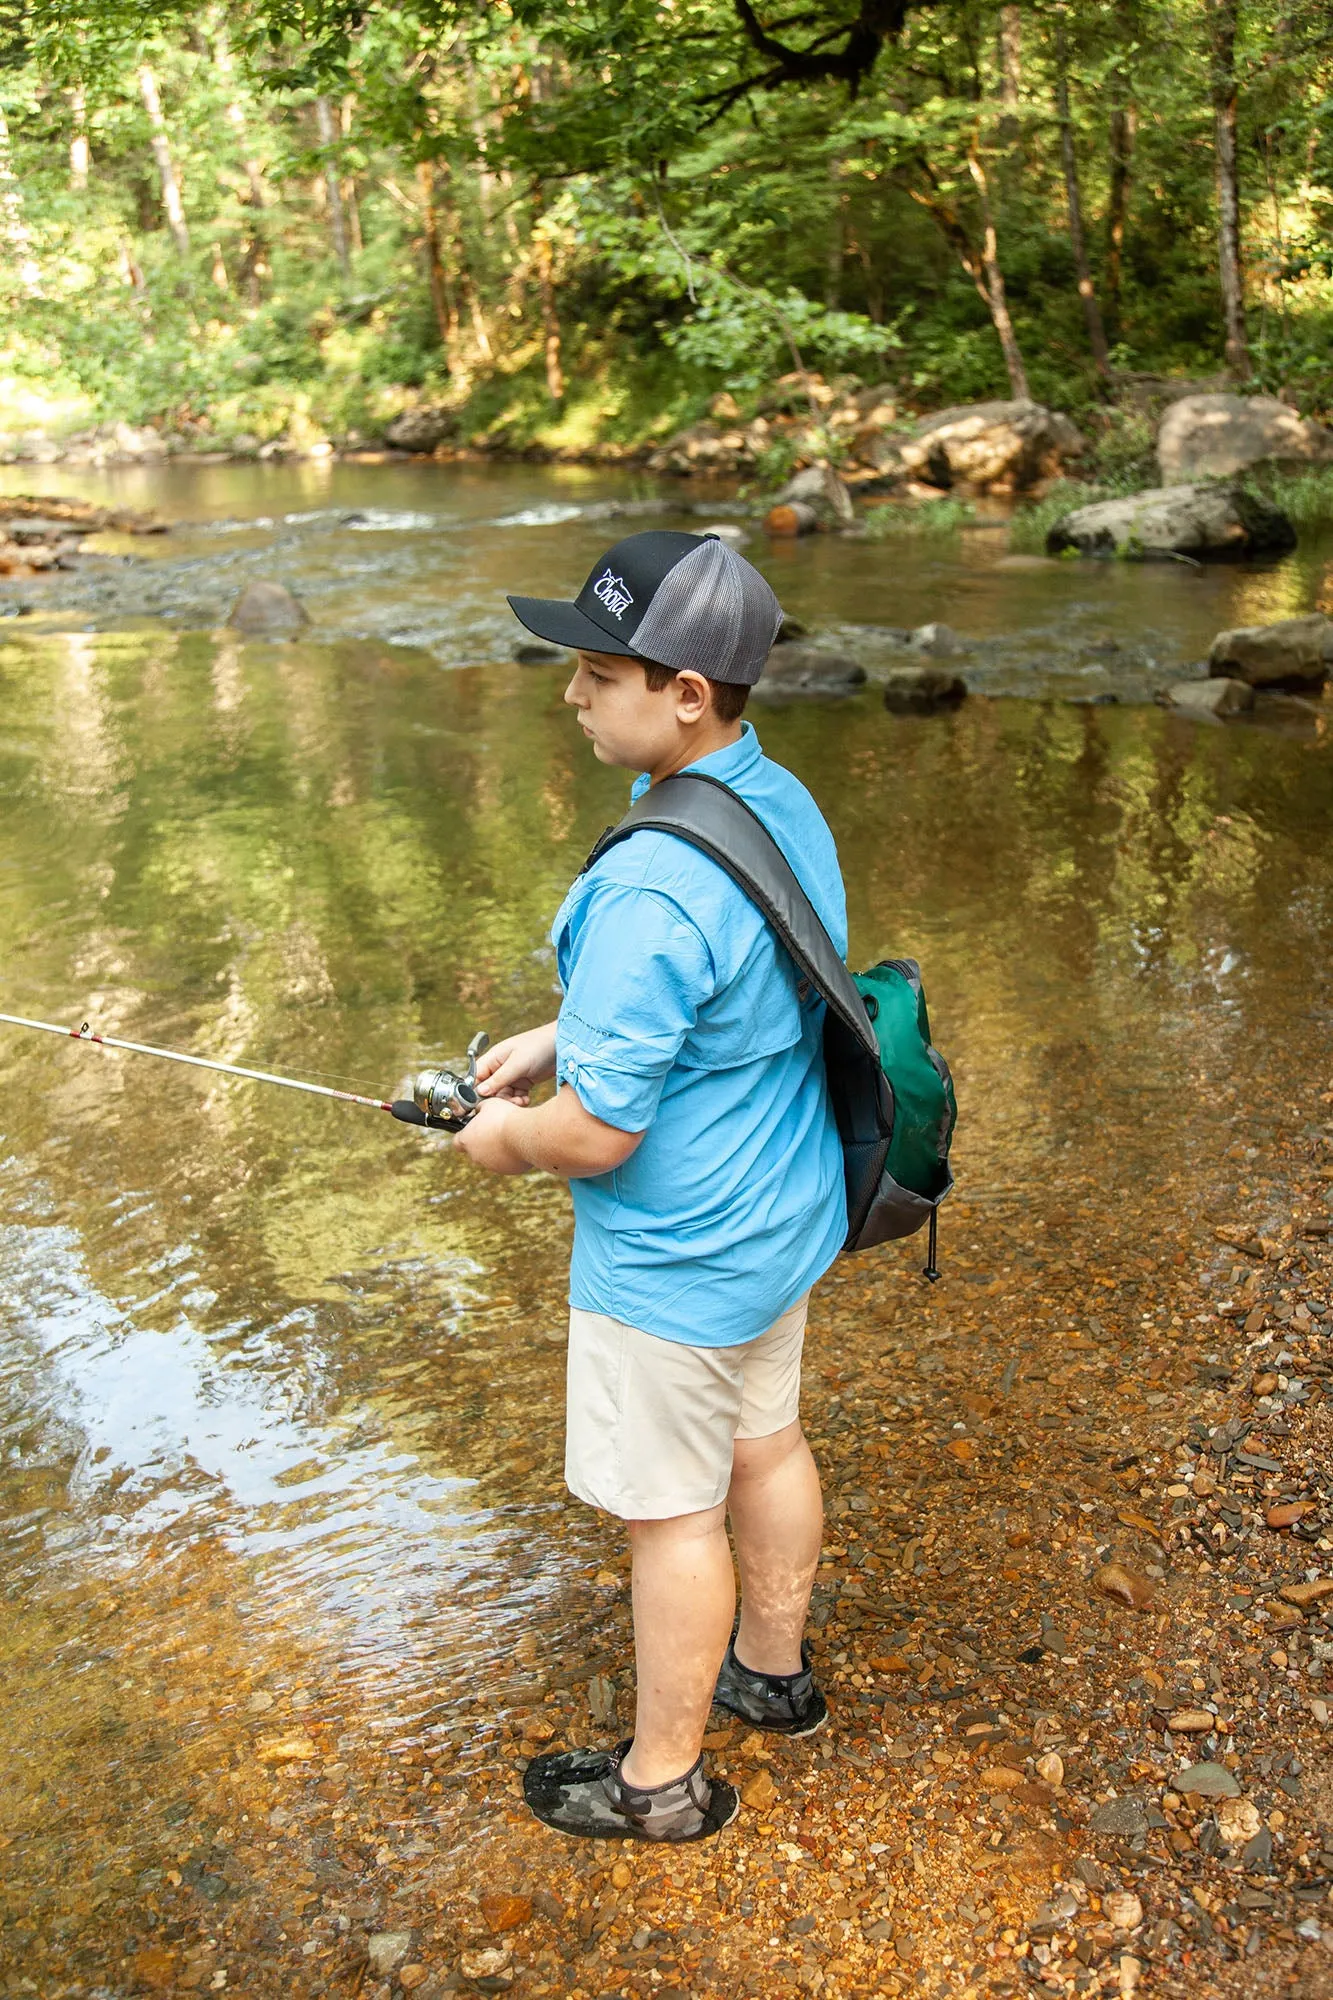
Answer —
(560, 1137)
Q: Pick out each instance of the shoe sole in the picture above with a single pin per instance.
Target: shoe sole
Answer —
(792, 1730)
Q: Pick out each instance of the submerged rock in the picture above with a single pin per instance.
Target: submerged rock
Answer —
(1293, 653)
(1213, 436)
(798, 669)
(994, 447)
(727, 531)
(923, 690)
(1211, 697)
(267, 611)
(1208, 523)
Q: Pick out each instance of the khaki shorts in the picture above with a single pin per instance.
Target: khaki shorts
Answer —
(650, 1423)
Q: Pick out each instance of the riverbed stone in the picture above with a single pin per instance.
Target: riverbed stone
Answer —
(940, 641)
(992, 447)
(804, 669)
(1209, 523)
(923, 690)
(387, 1950)
(1217, 698)
(267, 611)
(1208, 1780)
(1123, 1818)
(1294, 654)
(1213, 436)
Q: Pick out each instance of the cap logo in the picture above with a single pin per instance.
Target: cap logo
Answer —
(610, 590)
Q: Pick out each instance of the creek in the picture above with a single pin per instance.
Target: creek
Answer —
(280, 1381)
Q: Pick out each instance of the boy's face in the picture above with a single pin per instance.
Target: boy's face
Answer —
(628, 724)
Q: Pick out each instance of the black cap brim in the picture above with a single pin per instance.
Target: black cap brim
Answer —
(565, 625)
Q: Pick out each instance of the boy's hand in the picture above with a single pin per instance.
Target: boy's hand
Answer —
(514, 1067)
(486, 1143)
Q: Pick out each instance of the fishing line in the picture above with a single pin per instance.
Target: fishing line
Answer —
(442, 1098)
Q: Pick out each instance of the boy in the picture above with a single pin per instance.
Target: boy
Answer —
(693, 1122)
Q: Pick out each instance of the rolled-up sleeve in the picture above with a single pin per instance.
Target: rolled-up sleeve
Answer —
(635, 972)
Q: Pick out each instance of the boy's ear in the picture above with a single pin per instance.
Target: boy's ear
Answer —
(694, 697)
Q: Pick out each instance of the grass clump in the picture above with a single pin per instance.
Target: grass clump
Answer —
(928, 517)
(1034, 520)
(1305, 496)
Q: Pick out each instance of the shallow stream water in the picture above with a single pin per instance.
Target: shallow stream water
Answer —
(422, 555)
(280, 1381)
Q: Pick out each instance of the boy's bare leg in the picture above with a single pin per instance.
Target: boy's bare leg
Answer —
(777, 1519)
(684, 1602)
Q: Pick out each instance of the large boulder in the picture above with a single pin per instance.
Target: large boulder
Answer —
(1218, 698)
(1212, 437)
(1294, 654)
(418, 430)
(799, 669)
(991, 447)
(1208, 523)
(267, 611)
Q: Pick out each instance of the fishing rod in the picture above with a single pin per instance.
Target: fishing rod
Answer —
(444, 1099)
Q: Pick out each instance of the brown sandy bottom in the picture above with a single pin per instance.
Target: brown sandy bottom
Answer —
(1074, 1618)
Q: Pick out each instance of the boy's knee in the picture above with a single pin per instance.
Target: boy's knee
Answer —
(755, 1458)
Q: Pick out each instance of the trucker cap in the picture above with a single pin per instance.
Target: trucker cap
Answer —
(678, 600)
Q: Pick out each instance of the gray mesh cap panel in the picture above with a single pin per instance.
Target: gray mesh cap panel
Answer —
(712, 612)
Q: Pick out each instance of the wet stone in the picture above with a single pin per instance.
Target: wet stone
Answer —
(1124, 1818)
(1209, 1780)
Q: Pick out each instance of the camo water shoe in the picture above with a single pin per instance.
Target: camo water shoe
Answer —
(787, 1704)
(582, 1792)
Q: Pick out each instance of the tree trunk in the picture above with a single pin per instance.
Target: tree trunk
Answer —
(836, 245)
(79, 157)
(1087, 291)
(441, 296)
(254, 260)
(332, 191)
(982, 267)
(1011, 72)
(1124, 125)
(13, 223)
(1224, 92)
(166, 166)
(993, 289)
(543, 263)
(350, 202)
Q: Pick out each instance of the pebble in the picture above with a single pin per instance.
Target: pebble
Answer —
(387, 1950)
(1209, 1780)
(1123, 1909)
(1051, 1768)
(1126, 1818)
(489, 1961)
(505, 1912)
(1238, 1820)
(1191, 1722)
(1113, 1579)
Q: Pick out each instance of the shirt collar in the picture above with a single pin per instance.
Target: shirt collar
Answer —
(732, 761)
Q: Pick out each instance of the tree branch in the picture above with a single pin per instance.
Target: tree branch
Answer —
(877, 22)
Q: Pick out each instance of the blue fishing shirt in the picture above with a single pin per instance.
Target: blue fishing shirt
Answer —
(681, 1019)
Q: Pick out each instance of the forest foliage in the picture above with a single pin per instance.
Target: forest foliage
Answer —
(578, 220)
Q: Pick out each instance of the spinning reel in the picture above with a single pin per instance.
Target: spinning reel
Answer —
(445, 1099)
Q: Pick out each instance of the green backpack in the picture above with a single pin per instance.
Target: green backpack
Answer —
(892, 1092)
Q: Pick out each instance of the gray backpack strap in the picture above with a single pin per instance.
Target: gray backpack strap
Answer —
(717, 820)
